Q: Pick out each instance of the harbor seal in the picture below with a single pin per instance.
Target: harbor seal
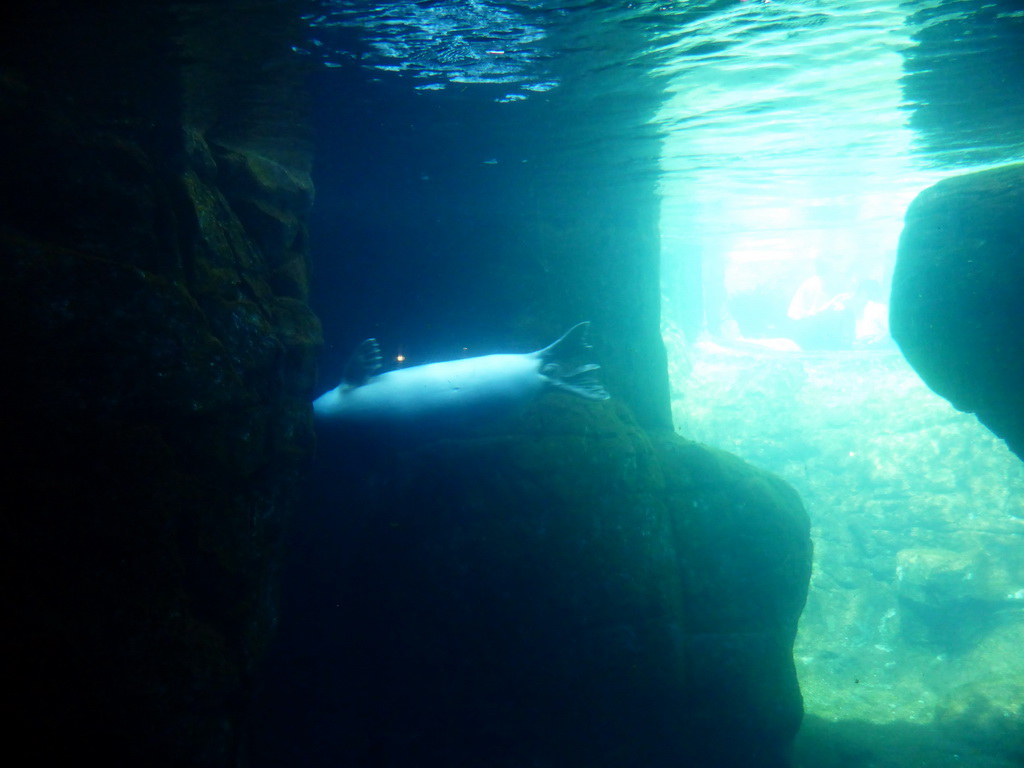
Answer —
(457, 391)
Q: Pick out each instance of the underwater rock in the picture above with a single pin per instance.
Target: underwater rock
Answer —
(938, 577)
(943, 597)
(988, 714)
(566, 590)
(956, 308)
(160, 361)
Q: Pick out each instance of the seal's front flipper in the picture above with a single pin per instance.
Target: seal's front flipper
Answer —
(365, 362)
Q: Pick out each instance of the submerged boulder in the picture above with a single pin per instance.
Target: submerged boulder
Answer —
(577, 592)
(956, 297)
(988, 714)
(939, 577)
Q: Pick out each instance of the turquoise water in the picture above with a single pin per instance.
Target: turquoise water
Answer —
(916, 521)
(804, 131)
(796, 130)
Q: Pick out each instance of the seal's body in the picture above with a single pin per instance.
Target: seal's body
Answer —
(460, 389)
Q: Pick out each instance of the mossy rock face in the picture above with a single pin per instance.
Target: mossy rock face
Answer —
(956, 298)
(158, 384)
(568, 590)
(988, 713)
(940, 578)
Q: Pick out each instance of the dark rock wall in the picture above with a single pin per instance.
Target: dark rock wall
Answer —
(569, 590)
(159, 365)
(956, 309)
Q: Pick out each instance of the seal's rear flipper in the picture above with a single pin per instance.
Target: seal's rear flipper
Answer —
(580, 381)
(365, 362)
(573, 343)
(557, 358)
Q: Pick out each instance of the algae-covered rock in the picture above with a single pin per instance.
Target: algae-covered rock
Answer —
(943, 597)
(988, 713)
(158, 377)
(939, 577)
(565, 590)
(956, 310)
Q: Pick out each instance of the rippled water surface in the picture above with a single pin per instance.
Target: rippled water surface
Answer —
(788, 128)
(794, 130)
